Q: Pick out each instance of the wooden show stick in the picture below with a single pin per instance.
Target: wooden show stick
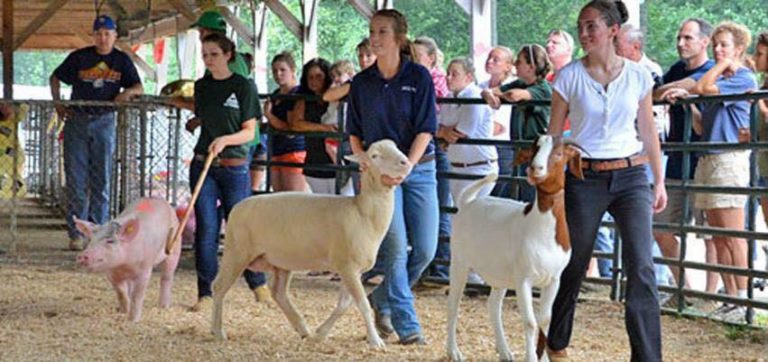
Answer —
(191, 207)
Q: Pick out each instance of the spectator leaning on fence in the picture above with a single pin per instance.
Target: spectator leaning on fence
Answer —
(96, 73)
(608, 100)
(761, 65)
(726, 121)
(306, 115)
(227, 105)
(397, 86)
(500, 65)
(285, 148)
(532, 68)
(692, 43)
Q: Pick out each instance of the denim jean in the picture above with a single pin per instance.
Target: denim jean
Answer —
(89, 146)
(414, 222)
(627, 196)
(444, 198)
(229, 185)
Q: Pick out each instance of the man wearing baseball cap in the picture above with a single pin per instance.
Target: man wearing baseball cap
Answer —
(96, 73)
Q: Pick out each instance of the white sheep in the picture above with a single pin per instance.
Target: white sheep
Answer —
(514, 245)
(288, 231)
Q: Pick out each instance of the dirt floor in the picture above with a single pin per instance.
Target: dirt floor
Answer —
(51, 310)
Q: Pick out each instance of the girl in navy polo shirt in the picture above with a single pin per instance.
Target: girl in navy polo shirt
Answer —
(608, 101)
(395, 99)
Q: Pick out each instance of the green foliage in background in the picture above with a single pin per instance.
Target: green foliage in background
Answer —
(518, 22)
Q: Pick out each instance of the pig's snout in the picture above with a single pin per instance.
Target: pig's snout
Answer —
(83, 259)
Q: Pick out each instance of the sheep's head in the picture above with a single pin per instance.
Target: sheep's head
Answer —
(548, 158)
(384, 158)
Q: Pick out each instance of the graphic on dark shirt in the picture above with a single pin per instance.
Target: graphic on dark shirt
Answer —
(99, 74)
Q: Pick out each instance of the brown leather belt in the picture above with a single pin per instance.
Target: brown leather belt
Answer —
(615, 164)
(478, 163)
(225, 162)
(427, 158)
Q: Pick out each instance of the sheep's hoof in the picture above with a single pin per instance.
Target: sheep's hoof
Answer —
(376, 342)
(220, 334)
(454, 355)
(506, 355)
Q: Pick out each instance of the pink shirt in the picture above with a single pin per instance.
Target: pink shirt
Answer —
(440, 82)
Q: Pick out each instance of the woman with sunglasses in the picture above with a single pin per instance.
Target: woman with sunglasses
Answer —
(532, 66)
(608, 100)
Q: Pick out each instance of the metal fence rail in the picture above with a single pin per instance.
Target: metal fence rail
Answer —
(153, 150)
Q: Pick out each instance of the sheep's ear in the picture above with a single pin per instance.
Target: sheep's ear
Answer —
(361, 159)
(574, 162)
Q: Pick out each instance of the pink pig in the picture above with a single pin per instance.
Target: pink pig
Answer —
(127, 248)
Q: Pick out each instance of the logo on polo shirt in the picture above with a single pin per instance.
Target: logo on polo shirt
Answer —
(232, 102)
(407, 88)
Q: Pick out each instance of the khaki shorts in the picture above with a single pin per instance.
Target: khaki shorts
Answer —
(722, 169)
(673, 213)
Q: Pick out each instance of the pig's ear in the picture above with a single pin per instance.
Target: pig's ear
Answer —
(128, 230)
(84, 227)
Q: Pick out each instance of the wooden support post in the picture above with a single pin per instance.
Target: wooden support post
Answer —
(309, 34)
(480, 33)
(140, 63)
(8, 49)
(260, 56)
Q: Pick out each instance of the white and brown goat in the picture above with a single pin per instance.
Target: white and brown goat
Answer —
(514, 245)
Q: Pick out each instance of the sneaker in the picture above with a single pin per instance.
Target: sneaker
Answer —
(416, 338)
(475, 278)
(383, 322)
(262, 294)
(721, 311)
(737, 314)
(203, 304)
(76, 244)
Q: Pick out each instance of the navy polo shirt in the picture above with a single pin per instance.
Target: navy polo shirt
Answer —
(396, 109)
(677, 72)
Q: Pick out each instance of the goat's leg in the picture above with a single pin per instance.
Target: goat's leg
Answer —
(495, 302)
(525, 305)
(345, 301)
(546, 301)
(458, 280)
(230, 270)
(280, 295)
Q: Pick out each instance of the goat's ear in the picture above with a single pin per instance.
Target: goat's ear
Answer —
(574, 161)
(523, 156)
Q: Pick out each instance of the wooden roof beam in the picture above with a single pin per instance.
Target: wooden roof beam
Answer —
(141, 63)
(291, 22)
(183, 9)
(38, 22)
(363, 7)
(240, 27)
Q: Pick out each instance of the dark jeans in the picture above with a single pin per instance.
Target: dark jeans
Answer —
(229, 185)
(627, 196)
(506, 157)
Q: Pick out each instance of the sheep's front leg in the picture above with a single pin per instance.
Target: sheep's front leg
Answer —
(495, 302)
(351, 280)
(280, 294)
(345, 301)
(546, 301)
(525, 304)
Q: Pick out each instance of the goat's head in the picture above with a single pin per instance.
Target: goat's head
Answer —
(383, 158)
(547, 159)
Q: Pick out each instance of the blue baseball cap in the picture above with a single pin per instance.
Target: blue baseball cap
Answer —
(105, 22)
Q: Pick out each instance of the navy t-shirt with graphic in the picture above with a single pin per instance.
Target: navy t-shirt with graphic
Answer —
(97, 77)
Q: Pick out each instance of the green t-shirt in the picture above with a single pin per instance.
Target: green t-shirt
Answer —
(223, 106)
(533, 120)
